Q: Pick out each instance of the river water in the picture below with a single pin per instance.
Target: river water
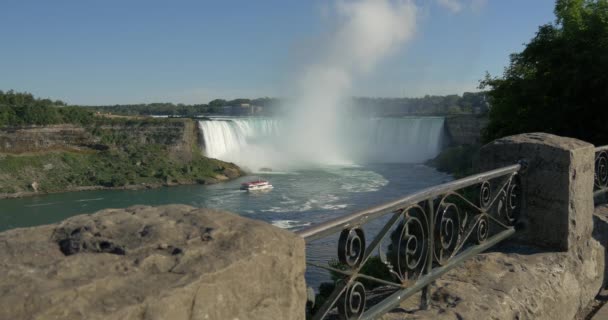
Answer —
(301, 197)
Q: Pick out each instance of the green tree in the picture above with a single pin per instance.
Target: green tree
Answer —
(559, 82)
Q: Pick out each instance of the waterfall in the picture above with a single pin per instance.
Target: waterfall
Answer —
(409, 139)
(260, 142)
(224, 138)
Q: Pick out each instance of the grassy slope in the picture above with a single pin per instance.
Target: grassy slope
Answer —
(124, 163)
(149, 165)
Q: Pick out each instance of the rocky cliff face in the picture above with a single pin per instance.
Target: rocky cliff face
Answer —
(180, 135)
(170, 262)
(54, 137)
(464, 129)
(113, 153)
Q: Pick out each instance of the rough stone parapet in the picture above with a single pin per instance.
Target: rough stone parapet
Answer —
(168, 262)
(556, 266)
(558, 186)
(526, 284)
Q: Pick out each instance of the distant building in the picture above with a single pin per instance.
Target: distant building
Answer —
(242, 109)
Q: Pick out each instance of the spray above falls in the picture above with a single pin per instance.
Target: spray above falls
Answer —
(367, 31)
(316, 129)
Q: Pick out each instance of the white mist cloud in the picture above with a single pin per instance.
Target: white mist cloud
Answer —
(367, 32)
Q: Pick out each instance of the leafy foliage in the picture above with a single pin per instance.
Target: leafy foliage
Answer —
(133, 164)
(18, 109)
(469, 102)
(182, 109)
(559, 82)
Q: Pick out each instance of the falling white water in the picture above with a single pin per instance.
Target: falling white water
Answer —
(258, 142)
(248, 142)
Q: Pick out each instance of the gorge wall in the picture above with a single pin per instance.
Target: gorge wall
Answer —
(111, 153)
(43, 138)
(180, 135)
(464, 129)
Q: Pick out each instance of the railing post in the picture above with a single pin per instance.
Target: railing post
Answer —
(426, 291)
(557, 187)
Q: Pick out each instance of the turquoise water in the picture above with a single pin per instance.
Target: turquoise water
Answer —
(298, 198)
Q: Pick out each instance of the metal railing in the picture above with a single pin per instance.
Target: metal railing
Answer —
(418, 238)
(600, 181)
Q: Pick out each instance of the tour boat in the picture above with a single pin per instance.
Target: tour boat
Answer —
(256, 185)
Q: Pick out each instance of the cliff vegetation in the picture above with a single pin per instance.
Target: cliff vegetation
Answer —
(49, 147)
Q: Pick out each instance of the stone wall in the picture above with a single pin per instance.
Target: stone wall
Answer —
(554, 266)
(464, 129)
(170, 262)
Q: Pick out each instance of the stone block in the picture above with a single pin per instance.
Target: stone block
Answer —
(557, 186)
(169, 262)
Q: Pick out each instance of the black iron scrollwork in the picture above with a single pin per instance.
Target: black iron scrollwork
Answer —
(351, 247)
(448, 230)
(352, 304)
(410, 247)
(513, 200)
(483, 229)
(485, 195)
(420, 237)
(601, 170)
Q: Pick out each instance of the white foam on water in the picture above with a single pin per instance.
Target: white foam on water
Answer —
(85, 200)
(323, 201)
(333, 206)
(356, 180)
(41, 204)
(289, 224)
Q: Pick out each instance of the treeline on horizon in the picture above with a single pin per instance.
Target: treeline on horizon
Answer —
(22, 108)
(187, 110)
(469, 102)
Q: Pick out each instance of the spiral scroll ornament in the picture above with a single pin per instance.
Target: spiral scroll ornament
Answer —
(351, 247)
(601, 170)
(448, 231)
(513, 200)
(485, 195)
(410, 244)
(482, 231)
(352, 303)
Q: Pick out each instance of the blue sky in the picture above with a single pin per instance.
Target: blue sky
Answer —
(118, 51)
